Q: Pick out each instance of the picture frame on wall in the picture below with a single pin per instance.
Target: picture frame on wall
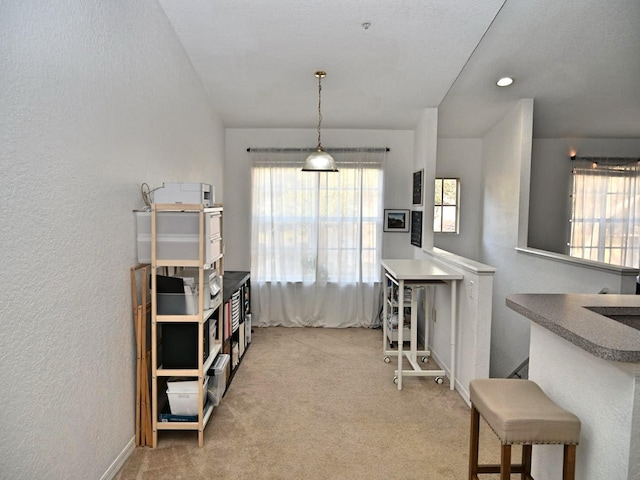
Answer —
(396, 220)
(416, 228)
(417, 187)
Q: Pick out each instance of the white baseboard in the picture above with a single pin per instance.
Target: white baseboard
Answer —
(464, 393)
(119, 461)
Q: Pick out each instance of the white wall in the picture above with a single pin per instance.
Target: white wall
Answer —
(506, 160)
(97, 98)
(474, 291)
(237, 217)
(550, 208)
(462, 158)
(426, 146)
(502, 160)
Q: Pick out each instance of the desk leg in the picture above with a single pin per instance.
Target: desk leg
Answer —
(385, 292)
(454, 318)
(400, 329)
(414, 325)
(428, 308)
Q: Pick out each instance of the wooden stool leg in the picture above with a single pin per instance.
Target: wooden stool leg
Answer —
(569, 466)
(473, 443)
(505, 462)
(526, 462)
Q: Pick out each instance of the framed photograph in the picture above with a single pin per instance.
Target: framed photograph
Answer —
(396, 220)
(417, 187)
(416, 228)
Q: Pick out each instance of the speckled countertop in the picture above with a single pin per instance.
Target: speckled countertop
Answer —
(568, 316)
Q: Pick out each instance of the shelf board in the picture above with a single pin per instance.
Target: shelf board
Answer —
(177, 263)
(208, 409)
(178, 318)
(188, 318)
(180, 207)
(177, 425)
(207, 314)
(177, 372)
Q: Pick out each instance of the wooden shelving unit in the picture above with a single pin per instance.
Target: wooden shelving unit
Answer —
(205, 254)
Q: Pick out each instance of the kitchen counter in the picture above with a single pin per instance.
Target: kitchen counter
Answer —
(569, 316)
(588, 363)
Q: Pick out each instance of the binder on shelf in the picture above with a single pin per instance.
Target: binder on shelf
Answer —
(170, 417)
(227, 320)
(235, 311)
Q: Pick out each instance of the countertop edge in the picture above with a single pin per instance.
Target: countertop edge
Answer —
(604, 352)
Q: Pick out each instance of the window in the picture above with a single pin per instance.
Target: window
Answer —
(316, 227)
(446, 213)
(316, 239)
(605, 216)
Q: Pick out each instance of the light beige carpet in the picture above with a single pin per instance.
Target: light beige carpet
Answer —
(317, 403)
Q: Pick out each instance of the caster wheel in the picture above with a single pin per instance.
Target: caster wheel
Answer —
(424, 359)
(439, 380)
(395, 380)
(387, 359)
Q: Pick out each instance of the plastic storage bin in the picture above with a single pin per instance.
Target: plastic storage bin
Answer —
(183, 396)
(177, 236)
(247, 328)
(218, 379)
(178, 303)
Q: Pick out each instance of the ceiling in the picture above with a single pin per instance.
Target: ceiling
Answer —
(578, 59)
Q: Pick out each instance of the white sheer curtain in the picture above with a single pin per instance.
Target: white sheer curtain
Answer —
(316, 239)
(605, 223)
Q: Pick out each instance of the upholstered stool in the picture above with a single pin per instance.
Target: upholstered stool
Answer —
(519, 412)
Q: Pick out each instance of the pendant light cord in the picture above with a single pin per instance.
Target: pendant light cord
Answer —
(319, 108)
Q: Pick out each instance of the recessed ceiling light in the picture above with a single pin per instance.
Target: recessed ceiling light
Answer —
(504, 82)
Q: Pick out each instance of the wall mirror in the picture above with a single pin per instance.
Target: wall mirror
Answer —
(579, 62)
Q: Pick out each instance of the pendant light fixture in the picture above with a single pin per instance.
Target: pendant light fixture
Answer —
(319, 160)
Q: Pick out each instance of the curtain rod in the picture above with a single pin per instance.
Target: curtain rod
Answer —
(306, 150)
(607, 159)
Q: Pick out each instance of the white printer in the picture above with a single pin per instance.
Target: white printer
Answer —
(172, 192)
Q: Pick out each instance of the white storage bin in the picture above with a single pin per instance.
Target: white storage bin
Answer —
(215, 248)
(178, 303)
(183, 396)
(215, 224)
(177, 236)
(218, 379)
(247, 328)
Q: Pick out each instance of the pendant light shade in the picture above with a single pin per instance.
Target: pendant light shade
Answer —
(319, 160)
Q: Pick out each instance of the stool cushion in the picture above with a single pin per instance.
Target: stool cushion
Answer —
(519, 411)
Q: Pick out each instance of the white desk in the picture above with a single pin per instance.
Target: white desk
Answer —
(417, 274)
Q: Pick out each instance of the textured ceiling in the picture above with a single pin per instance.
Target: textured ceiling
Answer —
(578, 59)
